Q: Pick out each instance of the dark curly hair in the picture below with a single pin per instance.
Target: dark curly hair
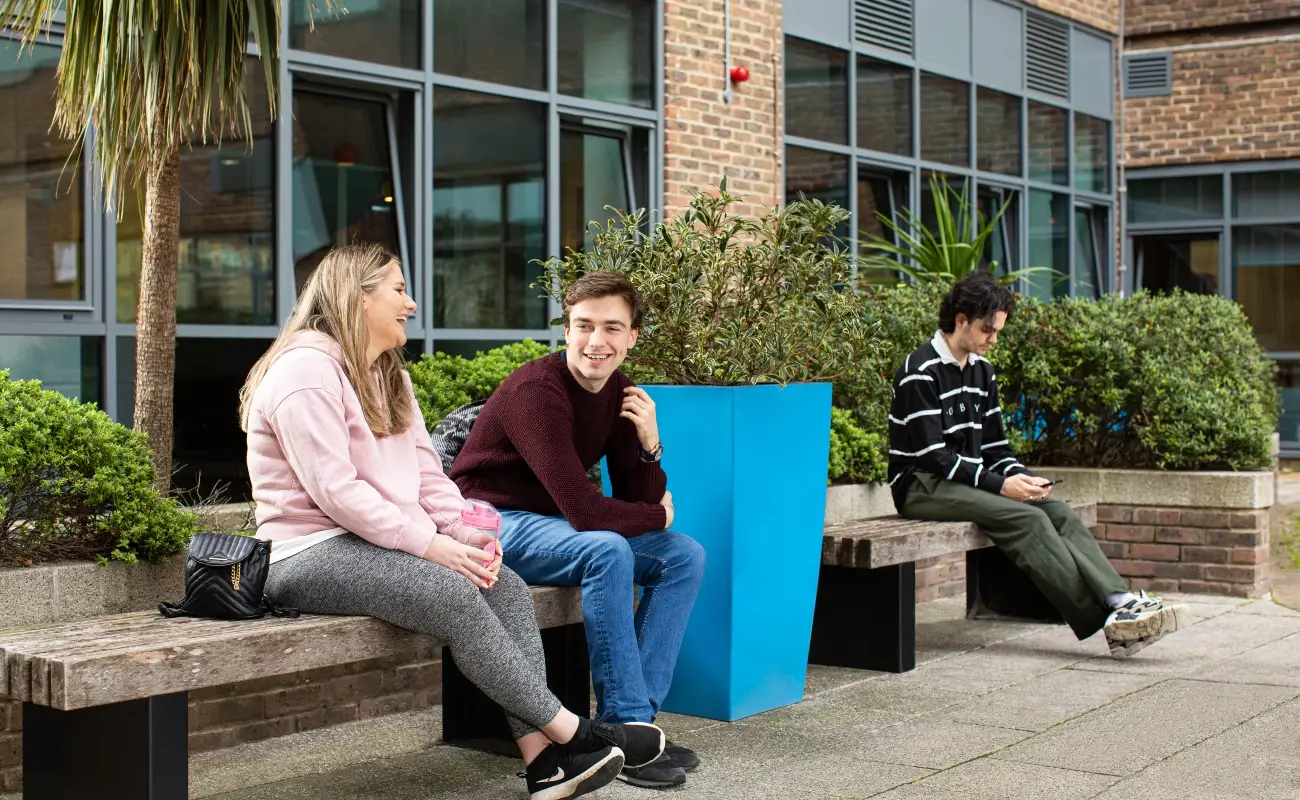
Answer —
(978, 296)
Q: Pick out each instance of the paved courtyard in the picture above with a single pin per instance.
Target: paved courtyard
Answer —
(996, 710)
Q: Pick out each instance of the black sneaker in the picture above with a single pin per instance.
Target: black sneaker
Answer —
(559, 772)
(683, 757)
(640, 742)
(661, 773)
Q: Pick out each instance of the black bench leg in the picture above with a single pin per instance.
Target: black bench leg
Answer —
(471, 720)
(866, 618)
(137, 750)
(997, 589)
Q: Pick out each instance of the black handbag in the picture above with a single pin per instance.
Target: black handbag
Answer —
(224, 579)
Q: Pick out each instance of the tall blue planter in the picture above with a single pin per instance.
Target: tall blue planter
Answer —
(747, 469)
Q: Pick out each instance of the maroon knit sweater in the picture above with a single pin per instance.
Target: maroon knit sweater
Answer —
(537, 436)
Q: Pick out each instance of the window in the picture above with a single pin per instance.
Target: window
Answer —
(381, 31)
(945, 120)
(42, 250)
(1176, 199)
(500, 41)
(1265, 194)
(1049, 144)
(226, 270)
(997, 132)
(1178, 261)
(606, 50)
(69, 365)
(818, 175)
(1090, 251)
(489, 210)
(343, 188)
(884, 107)
(1266, 269)
(1091, 153)
(1049, 245)
(816, 91)
(880, 193)
(594, 173)
(1288, 424)
(1002, 248)
(929, 214)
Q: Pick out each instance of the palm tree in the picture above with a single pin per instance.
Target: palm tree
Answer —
(147, 76)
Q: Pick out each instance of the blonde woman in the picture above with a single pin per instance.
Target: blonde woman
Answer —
(364, 521)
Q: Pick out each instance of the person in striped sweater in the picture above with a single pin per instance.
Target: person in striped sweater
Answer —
(949, 460)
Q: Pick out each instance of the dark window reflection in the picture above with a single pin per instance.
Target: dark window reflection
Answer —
(606, 50)
(382, 31)
(69, 365)
(1288, 424)
(945, 120)
(501, 41)
(884, 106)
(1176, 199)
(1189, 262)
(1002, 248)
(343, 189)
(997, 122)
(226, 273)
(1090, 252)
(1091, 153)
(1049, 245)
(819, 176)
(489, 210)
(880, 193)
(1266, 263)
(594, 173)
(816, 91)
(1049, 144)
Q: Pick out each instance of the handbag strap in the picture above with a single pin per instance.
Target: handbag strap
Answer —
(279, 611)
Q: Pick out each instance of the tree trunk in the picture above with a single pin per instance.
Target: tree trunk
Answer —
(155, 342)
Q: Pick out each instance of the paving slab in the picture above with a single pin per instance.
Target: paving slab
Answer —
(1267, 607)
(1000, 665)
(1276, 663)
(1047, 700)
(824, 679)
(994, 779)
(1205, 643)
(1256, 760)
(1141, 728)
(932, 744)
(908, 698)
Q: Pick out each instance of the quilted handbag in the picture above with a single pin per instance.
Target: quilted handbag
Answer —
(224, 579)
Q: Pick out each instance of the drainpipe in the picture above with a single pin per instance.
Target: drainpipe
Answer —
(726, 51)
(1121, 157)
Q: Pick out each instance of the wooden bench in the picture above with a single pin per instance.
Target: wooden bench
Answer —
(866, 594)
(105, 700)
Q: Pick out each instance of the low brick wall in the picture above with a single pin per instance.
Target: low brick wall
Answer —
(941, 576)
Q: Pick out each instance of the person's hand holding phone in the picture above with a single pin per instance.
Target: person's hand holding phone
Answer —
(1026, 488)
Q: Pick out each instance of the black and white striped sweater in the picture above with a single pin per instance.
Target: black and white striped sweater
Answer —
(947, 421)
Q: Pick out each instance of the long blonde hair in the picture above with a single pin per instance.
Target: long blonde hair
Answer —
(330, 303)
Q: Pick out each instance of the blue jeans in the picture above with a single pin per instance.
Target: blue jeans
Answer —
(632, 657)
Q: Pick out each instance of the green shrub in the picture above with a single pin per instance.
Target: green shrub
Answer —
(856, 455)
(1149, 382)
(444, 382)
(75, 484)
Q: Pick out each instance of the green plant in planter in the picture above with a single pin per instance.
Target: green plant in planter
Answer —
(949, 251)
(74, 484)
(732, 301)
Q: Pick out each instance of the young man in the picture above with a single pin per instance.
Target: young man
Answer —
(528, 454)
(949, 461)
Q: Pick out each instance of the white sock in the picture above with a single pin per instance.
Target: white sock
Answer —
(1117, 599)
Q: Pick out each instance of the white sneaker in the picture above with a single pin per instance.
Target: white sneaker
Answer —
(1141, 622)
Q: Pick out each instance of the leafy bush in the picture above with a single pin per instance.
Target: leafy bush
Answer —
(75, 484)
(444, 382)
(1149, 382)
(856, 455)
(732, 301)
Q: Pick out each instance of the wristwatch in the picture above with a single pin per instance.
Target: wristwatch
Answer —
(651, 456)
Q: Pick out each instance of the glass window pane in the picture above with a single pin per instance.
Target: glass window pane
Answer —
(1176, 199)
(382, 31)
(820, 176)
(226, 271)
(606, 50)
(816, 91)
(930, 214)
(997, 139)
(1002, 248)
(1265, 194)
(502, 41)
(1091, 153)
(1088, 255)
(489, 210)
(342, 177)
(69, 365)
(41, 251)
(884, 106)
(1049, 245)
(1049, 144)
(880, 193)
(593, 174)
(1266, 265)
(945, 120)
(1189, 262)
(1288, 424)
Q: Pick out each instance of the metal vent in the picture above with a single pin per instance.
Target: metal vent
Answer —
(1047, 46)
(1148, 74)
(884, 23)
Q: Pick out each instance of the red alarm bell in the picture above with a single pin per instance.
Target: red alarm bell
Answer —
(739, 74)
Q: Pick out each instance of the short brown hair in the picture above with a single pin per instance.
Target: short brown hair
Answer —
(595, 285)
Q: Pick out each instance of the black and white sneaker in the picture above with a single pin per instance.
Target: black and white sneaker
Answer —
(641, 742)
(662, 773)
(559, 771)
(683, 757)
(1141, 622)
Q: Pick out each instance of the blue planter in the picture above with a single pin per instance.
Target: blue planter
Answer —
(747, 469)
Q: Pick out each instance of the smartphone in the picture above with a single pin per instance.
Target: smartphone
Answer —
(1053, 483)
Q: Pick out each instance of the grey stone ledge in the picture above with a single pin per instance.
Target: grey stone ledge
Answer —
(1139, 487)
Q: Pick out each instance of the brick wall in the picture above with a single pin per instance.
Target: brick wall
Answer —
(1160, 16)
(941, 576)
(1228, 104)
(1100, 14)
(223, 716)
(706, 137)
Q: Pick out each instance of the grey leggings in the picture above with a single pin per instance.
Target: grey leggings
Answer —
(492, 633)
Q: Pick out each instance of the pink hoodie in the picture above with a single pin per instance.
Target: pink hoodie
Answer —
(315, 464)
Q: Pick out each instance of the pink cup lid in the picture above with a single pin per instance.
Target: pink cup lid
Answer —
(480, 514)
